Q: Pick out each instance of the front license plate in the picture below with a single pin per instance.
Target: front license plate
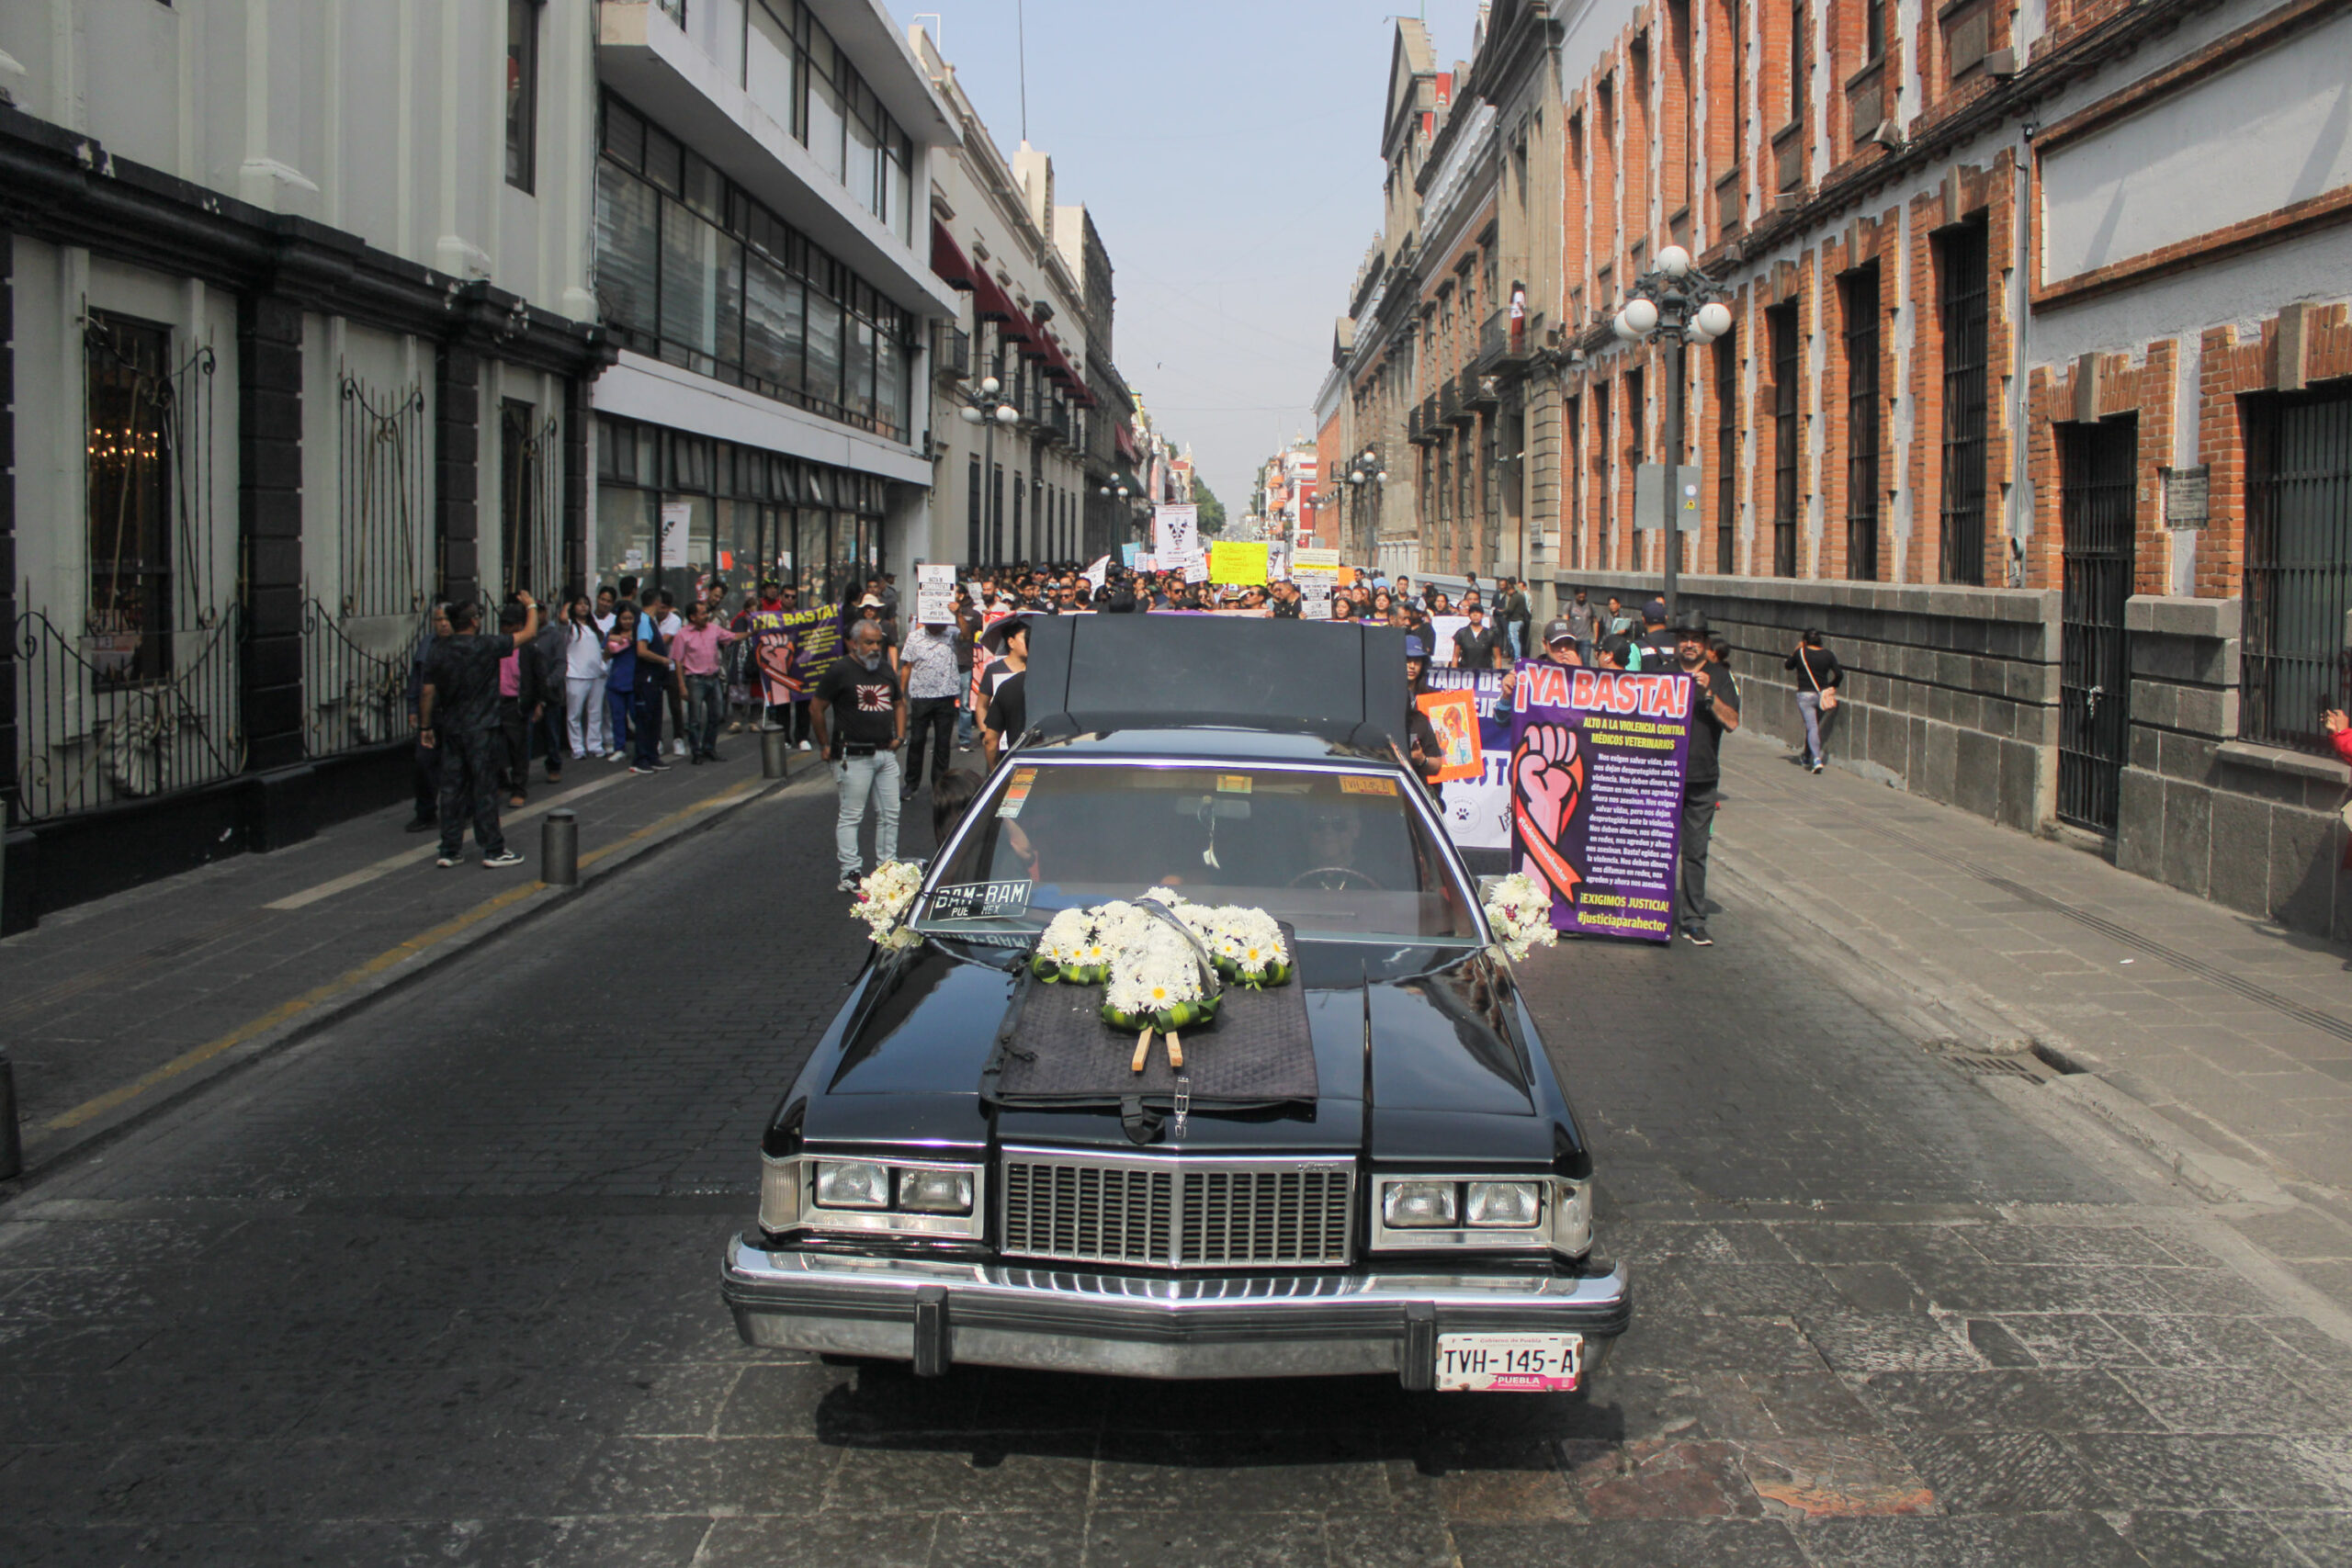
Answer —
(1509, 1363)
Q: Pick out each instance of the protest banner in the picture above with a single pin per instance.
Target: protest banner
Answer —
(935, 594)
(1477, 809)
(1317, 573)
(790, 648)
(1096, 573)
(1129, 553)
(1175, 531)
(1196, 570)
(1453, 717)
(1145, 562)
(1237, 564)
(1314, 598)
(1597, 761)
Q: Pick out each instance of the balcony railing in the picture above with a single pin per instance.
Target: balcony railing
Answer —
(1448, 401)
(1503, 342)
(954, 352)
(1479, 390)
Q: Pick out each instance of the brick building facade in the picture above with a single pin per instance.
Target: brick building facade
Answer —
(2037, 397)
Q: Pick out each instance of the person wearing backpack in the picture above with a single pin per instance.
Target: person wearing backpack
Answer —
(1819, 676)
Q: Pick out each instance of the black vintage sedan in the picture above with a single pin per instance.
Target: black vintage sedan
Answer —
(1371, 1168)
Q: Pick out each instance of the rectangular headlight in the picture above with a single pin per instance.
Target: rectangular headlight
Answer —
(1504, 1203)
(1417, 1205)
(935, 1191)
(853, 1184)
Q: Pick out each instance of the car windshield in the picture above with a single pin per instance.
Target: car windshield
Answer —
(1334, 854)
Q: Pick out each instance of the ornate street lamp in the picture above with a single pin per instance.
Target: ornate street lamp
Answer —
(1678, 302)
(974, 411)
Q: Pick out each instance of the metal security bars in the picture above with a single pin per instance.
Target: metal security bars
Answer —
(530, 482)
(1962, 304)
(1861, 292)
(1781, 323)
(2298, 567)
(2097, 485)
(383, 538)
(145, 697)
(355, 678)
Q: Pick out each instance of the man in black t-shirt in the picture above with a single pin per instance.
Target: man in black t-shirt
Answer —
(1008, 716)
(860, 711)
(456, 713)
(1714, 712)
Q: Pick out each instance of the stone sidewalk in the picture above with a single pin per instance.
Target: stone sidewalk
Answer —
(2220, 1042)
(111, 1010)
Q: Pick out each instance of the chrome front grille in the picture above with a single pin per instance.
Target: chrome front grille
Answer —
(1176, 1212)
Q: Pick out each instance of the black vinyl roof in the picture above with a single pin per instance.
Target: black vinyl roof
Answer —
(1090, 674)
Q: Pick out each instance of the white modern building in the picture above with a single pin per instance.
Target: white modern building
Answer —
(763, 265)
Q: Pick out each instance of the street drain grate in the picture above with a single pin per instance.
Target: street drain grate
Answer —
(1985, 1065)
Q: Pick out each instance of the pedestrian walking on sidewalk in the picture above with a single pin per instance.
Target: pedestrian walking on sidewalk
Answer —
(696, 650)
(656, 675)
(859, 708)
(620, 680)
(1817, 680)
(1714, 712)
(585, 664)
(457, 715)
(428, 758)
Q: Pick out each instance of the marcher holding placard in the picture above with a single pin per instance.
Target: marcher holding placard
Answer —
(1714, 712)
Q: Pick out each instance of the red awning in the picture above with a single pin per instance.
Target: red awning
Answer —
(1126, 439)
(991, 301)
(947, 259)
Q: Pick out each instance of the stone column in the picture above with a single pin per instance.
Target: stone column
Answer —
(579, 484)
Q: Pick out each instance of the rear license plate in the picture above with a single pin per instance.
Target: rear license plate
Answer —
(1509, 1363)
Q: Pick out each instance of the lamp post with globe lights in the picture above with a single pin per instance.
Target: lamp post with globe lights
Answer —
(989, 409)
(1678, 302)
(1366, 469)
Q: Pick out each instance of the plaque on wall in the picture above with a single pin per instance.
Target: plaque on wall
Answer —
(2188, 493)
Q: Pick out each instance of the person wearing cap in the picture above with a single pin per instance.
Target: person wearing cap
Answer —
(1656, 644)
(1714, 712)
(1421, 743)
(1559, 647)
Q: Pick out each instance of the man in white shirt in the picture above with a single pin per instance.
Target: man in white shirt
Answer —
(584, 667)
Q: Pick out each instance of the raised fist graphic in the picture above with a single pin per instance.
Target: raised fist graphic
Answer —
(1547, 772)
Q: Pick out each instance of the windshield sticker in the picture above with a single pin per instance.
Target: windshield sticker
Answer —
(1021, 777)
(1014, 799)
(1233, 784)
(1356, 783)
(978, 901)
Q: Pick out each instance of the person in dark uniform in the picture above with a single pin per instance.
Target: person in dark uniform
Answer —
(457, 714)
(1714, 713)
(428, 757)
(1422, 745)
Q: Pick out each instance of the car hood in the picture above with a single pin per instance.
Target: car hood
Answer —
(1408, 1037)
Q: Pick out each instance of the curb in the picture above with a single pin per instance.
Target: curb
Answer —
(2086, 1080)
(47, 1155)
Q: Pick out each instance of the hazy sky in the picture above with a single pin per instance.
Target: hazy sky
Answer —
(1230, 155)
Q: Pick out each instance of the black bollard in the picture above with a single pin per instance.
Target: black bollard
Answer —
(775, 753)
(559, 849)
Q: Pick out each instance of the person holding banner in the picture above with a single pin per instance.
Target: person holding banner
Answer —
(1422, 742)
(933, 673)
(1714, 713)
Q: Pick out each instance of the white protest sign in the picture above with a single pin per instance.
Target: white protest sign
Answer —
(935, 594)
(1443, 627)
(1146, 562)
(1196, 569)
(677, 530)
(1176, 532)
(1095, 574)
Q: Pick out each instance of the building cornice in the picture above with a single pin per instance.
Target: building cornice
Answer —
(67, 189)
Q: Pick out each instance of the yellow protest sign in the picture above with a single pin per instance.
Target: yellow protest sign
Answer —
(1237, 564)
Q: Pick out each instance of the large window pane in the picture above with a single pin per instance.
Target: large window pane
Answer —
(826, 109)
(901, 214)
(628, 245)
(861, 367)
(689, 299)
(768, 73)
(824, 376)
(624, 531)
(772, 334)
(889, 390)
(864, 175)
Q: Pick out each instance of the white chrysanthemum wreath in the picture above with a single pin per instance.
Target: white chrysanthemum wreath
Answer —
(1519, 909)
(1150, 963)
(883, 899)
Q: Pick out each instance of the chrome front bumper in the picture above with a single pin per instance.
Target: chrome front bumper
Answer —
(935, 1313)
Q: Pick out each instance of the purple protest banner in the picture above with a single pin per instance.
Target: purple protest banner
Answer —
(1597, 764)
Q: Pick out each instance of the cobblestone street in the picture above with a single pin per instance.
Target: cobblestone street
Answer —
(439, 1285)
